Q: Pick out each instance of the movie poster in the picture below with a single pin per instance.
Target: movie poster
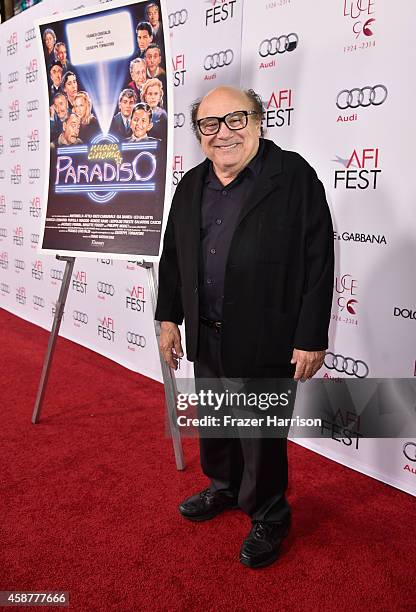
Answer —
(108, 100)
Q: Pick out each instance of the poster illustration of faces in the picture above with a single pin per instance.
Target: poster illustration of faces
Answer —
(108, 102)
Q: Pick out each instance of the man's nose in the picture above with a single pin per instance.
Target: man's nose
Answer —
(224, 131)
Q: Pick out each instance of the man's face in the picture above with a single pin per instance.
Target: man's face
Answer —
(152, 59)
(71, 128)
(125, 105)
(56, 75)
(153, 96)
(138, 73)
(140, 123)
(80, 107)
(153, 16)
(61, 54)
(229, 150)
(71, 87)
(143, 39)
(61, 107)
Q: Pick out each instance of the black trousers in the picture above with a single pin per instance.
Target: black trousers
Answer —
(254, 469)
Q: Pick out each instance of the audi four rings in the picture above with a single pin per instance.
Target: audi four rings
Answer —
(409, 451)
(105, 288)
(136, 339)
(57, 274)
(366, 96)
(278, 44)
(177, 18)
(219, 60)
(82, 317)
(347, 365)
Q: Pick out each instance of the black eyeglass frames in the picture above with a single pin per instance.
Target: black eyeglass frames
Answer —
(237, 120)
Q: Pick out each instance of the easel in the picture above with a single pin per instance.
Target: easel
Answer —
(167, 374)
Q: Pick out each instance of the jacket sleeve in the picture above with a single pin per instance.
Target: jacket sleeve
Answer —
(315, 311)
(169, 301)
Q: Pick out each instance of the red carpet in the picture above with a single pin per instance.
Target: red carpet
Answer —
(89, 505)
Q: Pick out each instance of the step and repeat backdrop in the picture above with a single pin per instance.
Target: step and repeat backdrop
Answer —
(335, 80)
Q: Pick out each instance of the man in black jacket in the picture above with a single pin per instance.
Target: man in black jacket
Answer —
(248, 263)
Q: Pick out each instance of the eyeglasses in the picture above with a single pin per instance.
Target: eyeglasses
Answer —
(234, 121)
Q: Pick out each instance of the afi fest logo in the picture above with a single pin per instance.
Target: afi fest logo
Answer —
(361, 170)
(106, 329)
(179, 70)
(37, 270)
(135, 300)
(14, 110)
(34, 207)
(21, 296)
(11, 44)
(79, 281)
(2, 204)
(32, 71)
(278, 109)
(361, 14)
(18, 236)
(346, 298)
(33, 141)
(4, 260)
(344, 427)
(220, 10)
(16, 175)
(178, 170)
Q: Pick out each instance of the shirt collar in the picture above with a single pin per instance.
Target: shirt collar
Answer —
(253, 168)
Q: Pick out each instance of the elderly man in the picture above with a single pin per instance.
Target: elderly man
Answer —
(70, 132)
(153, 17)
(248, 263)
(59, 114)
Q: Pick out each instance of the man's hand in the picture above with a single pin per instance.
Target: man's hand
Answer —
(170, 343)
(307, 363)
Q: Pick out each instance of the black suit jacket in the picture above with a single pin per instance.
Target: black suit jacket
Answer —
(118, 128)
(279, 272)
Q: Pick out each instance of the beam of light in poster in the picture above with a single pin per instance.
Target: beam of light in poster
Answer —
(110, 142)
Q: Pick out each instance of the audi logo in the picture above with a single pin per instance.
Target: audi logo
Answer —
(34, 173)
(13, 77)
(219, 60)
(4, 288)
(105, 288)
(38, 301)
(17, 205)
(2, 174)
(56, 274)
(179, 120)
(34, 238)
(81, 317)
(3, 232)
(136, 339)
(32, 105)
(347, 365)
(177, 18)
(15, 142)
(366, 96)
(409, 451)
(30, 34)
(278, 44)
(19, 264)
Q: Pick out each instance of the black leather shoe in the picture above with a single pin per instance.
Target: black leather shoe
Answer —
(261, 546)
(206, 504)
